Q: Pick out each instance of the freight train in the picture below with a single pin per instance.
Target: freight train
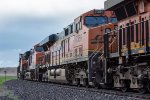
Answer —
(101, 48)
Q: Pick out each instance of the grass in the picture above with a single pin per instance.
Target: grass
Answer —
(2, 79)
(8, 93)
(11, 95)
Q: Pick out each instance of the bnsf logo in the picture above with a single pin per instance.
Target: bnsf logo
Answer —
(97, 39)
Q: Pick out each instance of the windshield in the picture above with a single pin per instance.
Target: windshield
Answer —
(93, 21)
(113, 20)
(39, 49)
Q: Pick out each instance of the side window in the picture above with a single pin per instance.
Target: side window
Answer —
(78, 26)
(66, 32)
(71, 28)
(108, 30)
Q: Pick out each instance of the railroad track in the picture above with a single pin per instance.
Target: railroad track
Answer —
(104, 91)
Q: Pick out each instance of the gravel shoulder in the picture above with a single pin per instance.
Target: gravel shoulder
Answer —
(27, 90)
(6, 94)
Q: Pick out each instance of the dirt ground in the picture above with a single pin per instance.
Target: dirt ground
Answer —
(3, 91)
(6, 94)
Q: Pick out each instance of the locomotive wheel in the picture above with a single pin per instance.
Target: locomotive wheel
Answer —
(142, 90)
(96, 85)
(78, 83)
(126, 86)
(85, 82)
(124, 89)
(87, 86)
(148, 86)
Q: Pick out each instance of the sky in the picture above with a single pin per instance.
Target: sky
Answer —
(24, 23)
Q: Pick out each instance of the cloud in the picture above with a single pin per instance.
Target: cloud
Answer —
(44, 7)
(9, 58)
(19, 50)
(23, 32)
(24, 23)
(1, 62)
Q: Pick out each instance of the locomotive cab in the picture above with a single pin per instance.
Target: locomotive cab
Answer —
(133, 44)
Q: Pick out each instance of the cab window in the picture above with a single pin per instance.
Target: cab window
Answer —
(108, 30)
(113, 20)
(39, 49)
(93, 21)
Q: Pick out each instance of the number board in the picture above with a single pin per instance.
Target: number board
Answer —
(99, 11)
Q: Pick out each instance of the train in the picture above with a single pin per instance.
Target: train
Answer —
(107, 48)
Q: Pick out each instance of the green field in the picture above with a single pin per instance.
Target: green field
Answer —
(2, 79)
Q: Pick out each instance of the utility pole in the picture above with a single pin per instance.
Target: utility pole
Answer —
(5, 74)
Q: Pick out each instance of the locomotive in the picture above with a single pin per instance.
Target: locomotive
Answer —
(28, 62)
(130, 65)
(71, 56)
(101, 48)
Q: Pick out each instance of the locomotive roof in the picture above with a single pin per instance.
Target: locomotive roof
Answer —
(111, 4)
(51, 38)
(25, 55)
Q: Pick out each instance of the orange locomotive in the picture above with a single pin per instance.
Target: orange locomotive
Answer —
(36, 60)
(23, 64)
(131, 63)
(71, 56)
(29, 61)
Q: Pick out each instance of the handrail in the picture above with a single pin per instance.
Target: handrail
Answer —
(94, 51)
(109, 46)
(101, 49)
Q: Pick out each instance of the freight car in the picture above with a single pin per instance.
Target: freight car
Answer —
(71, 56)
(130, 65)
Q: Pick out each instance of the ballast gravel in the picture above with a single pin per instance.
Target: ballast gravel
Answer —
(28, 90)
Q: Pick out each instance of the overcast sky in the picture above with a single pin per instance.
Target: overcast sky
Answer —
(24, 23)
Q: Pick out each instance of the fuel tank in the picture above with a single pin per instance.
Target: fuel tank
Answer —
(57, 75)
